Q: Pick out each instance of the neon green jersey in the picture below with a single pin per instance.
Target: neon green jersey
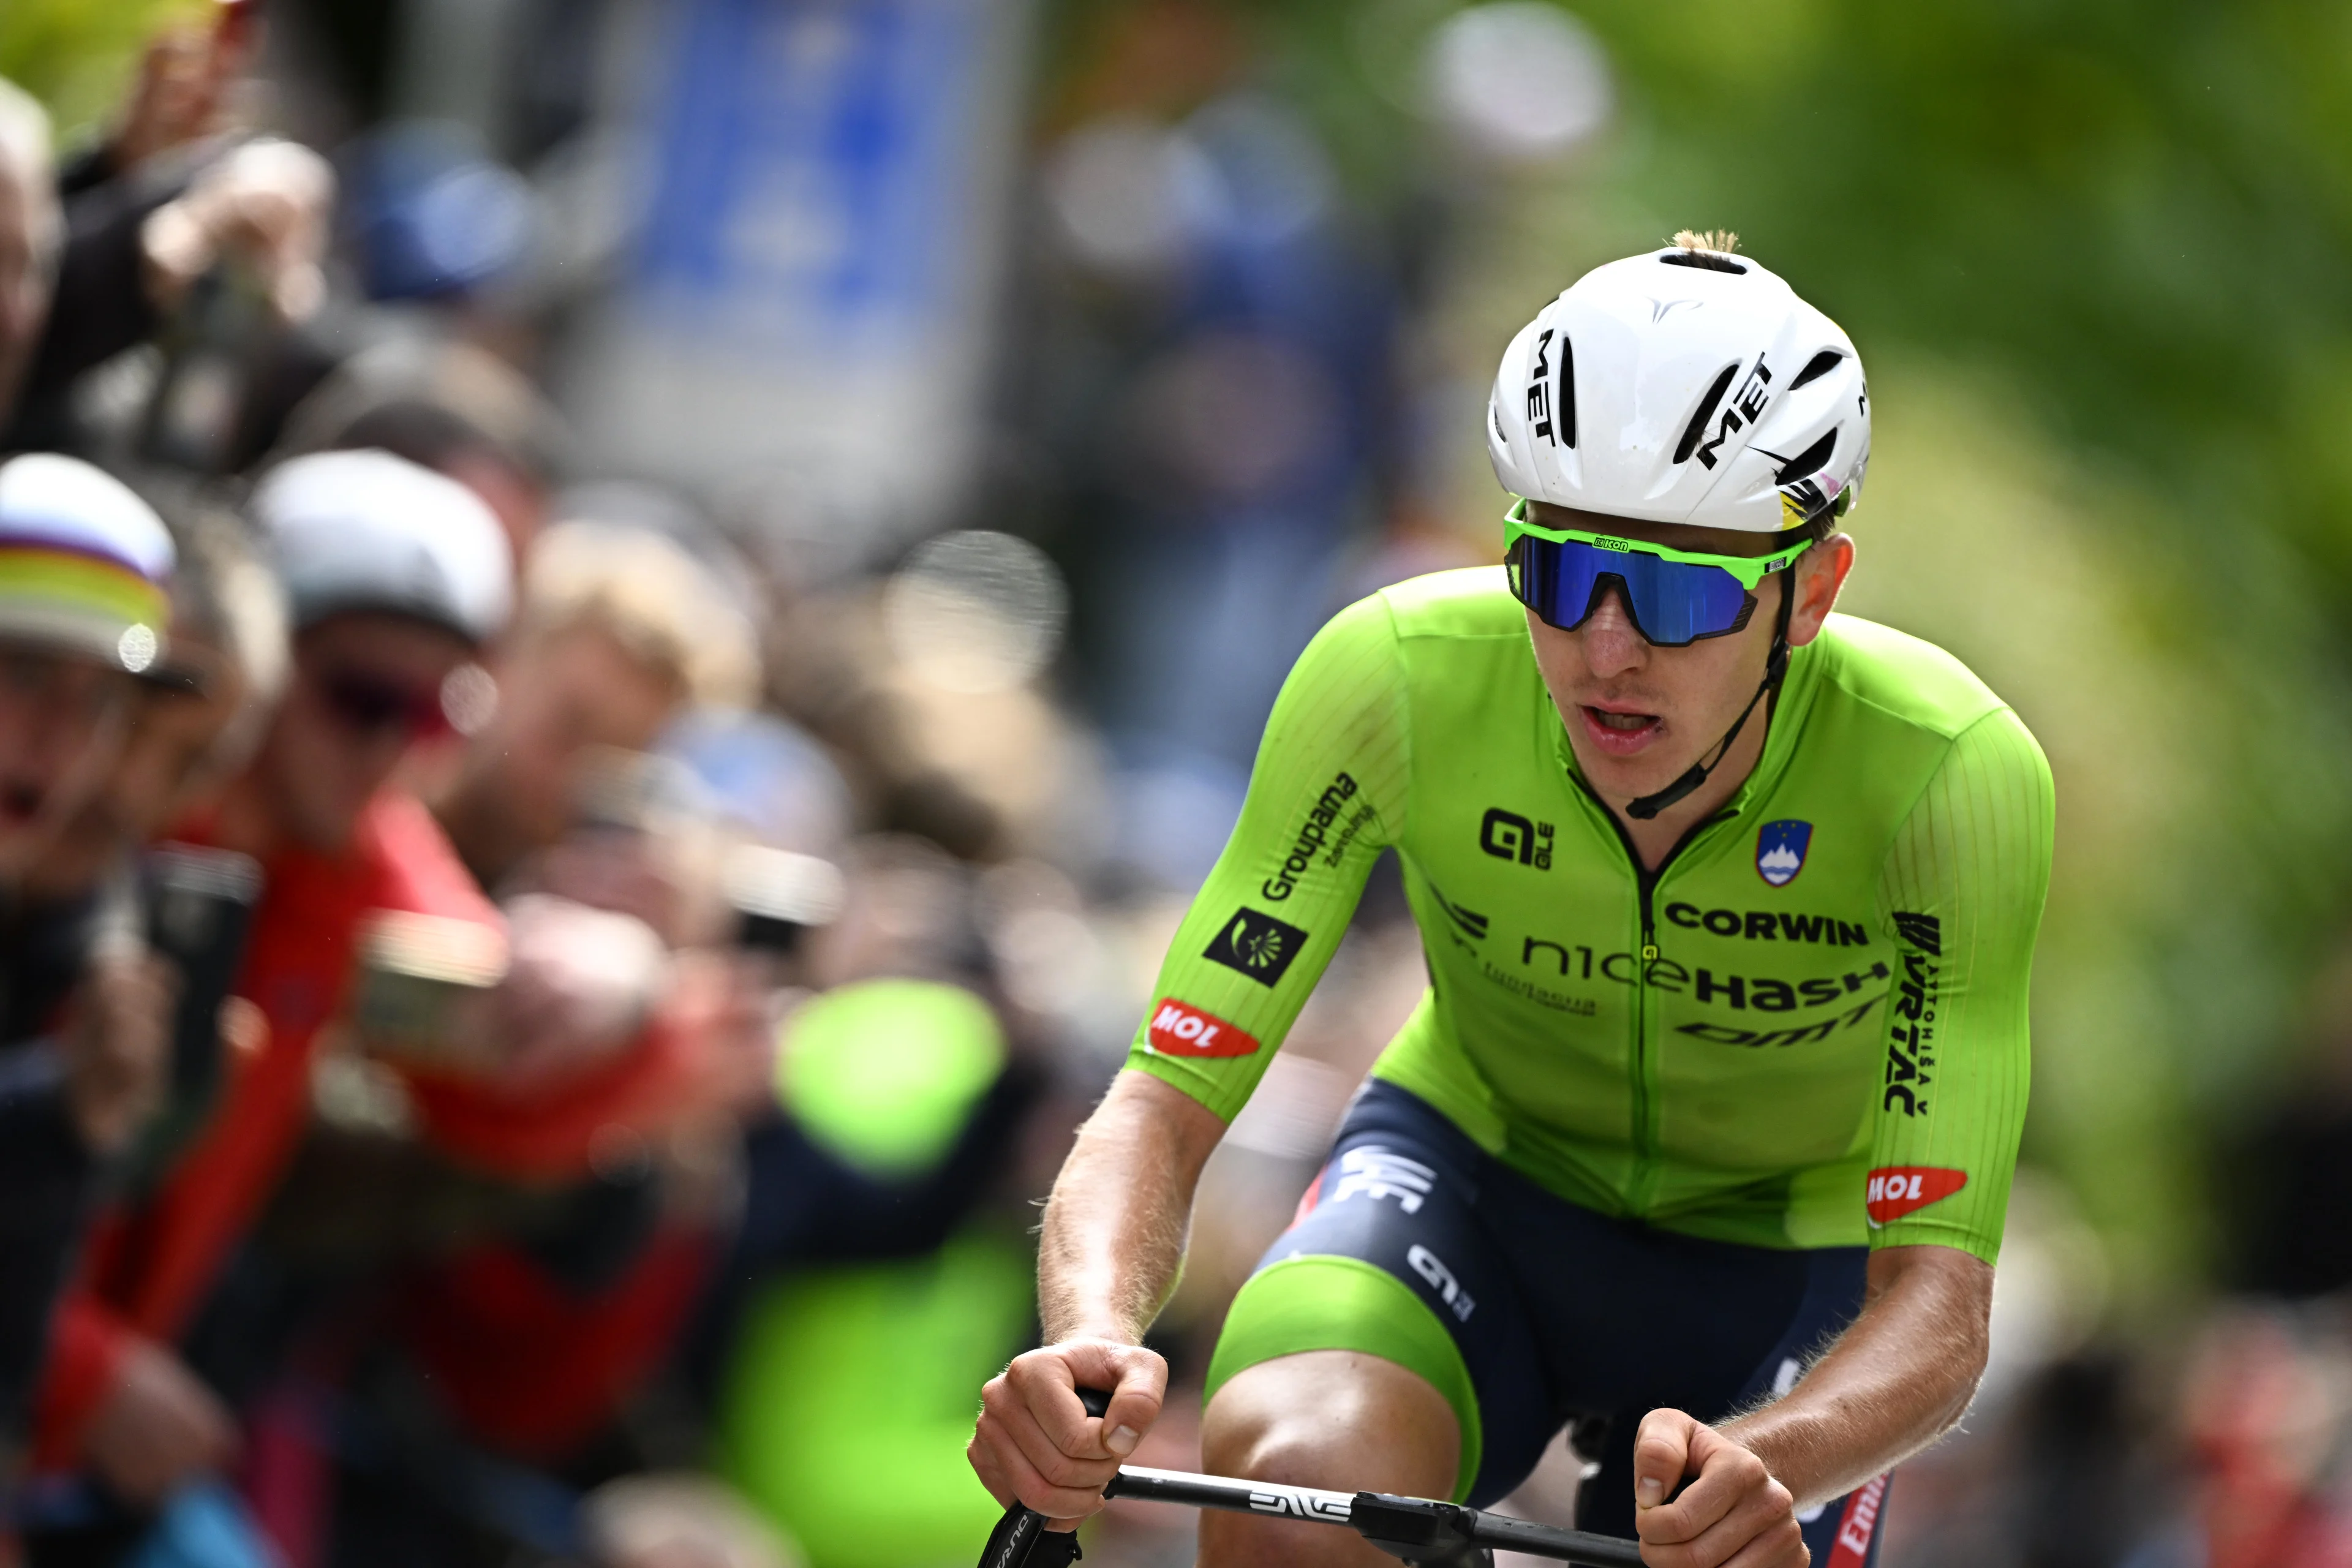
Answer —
(1806, 1029)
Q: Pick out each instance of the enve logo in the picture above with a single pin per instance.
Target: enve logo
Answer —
(1897, 1190)
(1180, 1029)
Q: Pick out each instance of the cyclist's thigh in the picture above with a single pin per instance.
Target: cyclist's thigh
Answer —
(1390, 1258)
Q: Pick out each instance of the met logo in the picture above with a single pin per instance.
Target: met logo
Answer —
(1780, 850)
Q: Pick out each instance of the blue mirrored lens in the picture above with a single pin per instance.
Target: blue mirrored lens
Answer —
(1673, 602)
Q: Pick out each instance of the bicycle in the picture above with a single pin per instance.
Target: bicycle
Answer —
(1420, 1531)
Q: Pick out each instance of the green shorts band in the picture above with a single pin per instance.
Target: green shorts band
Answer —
(1326, 1303)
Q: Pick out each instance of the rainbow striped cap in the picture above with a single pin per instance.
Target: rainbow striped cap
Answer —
(84, 562)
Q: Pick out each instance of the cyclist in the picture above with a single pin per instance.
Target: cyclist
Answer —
(1702, 1136)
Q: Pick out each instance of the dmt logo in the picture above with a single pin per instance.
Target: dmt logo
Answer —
(1180, 1029)
(1780, 850)
(1897, 1190)
(1257, 945)
(1507, 836)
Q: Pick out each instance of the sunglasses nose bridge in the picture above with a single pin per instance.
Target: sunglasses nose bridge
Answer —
(1604, 585)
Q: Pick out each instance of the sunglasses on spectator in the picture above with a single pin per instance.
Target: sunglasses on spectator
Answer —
(374, 705)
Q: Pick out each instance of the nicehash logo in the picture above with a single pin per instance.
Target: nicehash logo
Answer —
(1257, 945)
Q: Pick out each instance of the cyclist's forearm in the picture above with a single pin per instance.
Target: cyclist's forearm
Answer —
(1894, 1382)
(1114, 1235)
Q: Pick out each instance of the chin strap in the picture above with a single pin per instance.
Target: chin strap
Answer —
(1776, 668)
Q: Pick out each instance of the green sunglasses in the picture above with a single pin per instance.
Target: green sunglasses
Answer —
(1677, 596)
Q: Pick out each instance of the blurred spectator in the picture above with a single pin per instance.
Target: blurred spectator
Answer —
(394, 576)
(450, 407)
(83, 567)
(133, 251)
(841, 1405)
(191, 732)
(620, 630)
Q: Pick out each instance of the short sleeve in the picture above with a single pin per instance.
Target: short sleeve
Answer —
(1961, 894)
(1328, 793)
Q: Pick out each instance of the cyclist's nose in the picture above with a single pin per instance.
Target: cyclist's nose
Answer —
(1612, 644)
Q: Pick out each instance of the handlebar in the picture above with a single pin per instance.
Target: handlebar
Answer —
(1417, 1529)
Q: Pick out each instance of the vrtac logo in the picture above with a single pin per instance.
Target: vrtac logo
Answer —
(1180, 1029)
(1897, 1190)
(1780, 850)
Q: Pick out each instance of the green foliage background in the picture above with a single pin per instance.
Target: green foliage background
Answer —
(77, 55)
(2095, 257)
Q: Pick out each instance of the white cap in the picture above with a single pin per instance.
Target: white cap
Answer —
(84, 562)
(367, 530)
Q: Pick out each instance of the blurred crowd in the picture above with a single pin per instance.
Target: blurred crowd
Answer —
(535, 1009)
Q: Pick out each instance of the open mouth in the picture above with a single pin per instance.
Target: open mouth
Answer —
(1622, 733)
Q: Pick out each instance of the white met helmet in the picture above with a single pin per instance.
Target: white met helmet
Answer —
(1688, 386)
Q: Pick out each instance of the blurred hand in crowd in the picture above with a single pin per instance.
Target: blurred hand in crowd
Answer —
(264, 207)
(158, 1428)
(579, 986)
(115, 1044)
(718, 1002)
(628, 873)
(179, 94)
(32, 230)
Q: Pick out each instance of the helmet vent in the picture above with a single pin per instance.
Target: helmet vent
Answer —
(1819, 366)
(1706, 260)
(1697, 426)
(1809, 462)
(1564, 402)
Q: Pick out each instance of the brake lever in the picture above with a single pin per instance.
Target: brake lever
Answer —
(1021, 1539)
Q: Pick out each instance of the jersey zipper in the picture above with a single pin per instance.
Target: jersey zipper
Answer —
(1646, 1164)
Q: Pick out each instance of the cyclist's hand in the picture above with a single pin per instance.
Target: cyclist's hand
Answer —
(1732, 1513)
(1035, 1442)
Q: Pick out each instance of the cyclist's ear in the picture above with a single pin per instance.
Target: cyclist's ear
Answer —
(1820, 573)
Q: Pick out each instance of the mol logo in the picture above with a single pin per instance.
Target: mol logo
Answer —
(1897, 1190)
(1180, 1029)
(1780, 850)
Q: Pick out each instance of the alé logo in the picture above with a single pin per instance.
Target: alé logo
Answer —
(1780, 850)
(1897, 1190)
(1180, 1029)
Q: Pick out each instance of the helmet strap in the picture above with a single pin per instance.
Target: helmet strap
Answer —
(1776, 670)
